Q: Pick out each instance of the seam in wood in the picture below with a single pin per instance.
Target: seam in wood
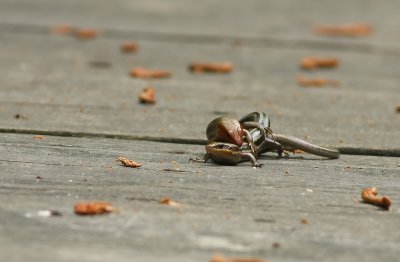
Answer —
(342, 150)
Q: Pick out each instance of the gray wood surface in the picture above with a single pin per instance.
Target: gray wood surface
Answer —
(271, 21)
(64, 93)
(53, 86)
(234, 210)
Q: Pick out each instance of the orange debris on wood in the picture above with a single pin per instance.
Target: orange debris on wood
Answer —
(38, 137)
(350, 30)
(311, 63)
(369, 195)
(87, 33)
(147, 73)
(221, 258)
(62, 29)
(93, 208)
(127, 162)
(147, 96)
(305, 221)
(316, 82)
(129, 47)
(211, 67)
(168, 202)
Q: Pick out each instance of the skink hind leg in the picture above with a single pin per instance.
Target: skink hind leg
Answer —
(252, 159)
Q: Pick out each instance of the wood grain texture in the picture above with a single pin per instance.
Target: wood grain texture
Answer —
(236, 210)
(50, 80)
(288, 20)
(66, 87)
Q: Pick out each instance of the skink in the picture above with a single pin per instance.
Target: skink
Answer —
(280, 142)
(260, 139)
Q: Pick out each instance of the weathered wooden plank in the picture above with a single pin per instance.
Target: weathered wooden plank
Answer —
(235, 210)
(49, 80)
(286, 20)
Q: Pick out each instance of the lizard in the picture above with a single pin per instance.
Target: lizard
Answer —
(220, 150)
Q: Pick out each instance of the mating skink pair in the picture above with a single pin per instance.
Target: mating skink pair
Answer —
(226, 144)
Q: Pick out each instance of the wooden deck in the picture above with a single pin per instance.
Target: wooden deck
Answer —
(78, 95)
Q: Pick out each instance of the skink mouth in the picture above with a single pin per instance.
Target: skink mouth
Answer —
(236, 137)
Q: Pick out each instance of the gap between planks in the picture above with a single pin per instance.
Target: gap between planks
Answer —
(301, 44)
(174, 140)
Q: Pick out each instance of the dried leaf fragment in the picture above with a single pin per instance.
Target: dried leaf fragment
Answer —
(62, 29)
(369, 195)
(129, 47)
(305, 221)
(147, 73)
(349, 30)
(311, 63)
(38, 137)
(398, 108)
(147, 96)
(127, 162)
(221, 258)
(211, 67)
(93, 208)
(86, 33)
(168, 202)
(316, 82)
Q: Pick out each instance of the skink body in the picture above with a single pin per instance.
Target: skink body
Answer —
(262, 139)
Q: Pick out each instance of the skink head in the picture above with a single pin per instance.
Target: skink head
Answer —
(224, 153)
(224, 129)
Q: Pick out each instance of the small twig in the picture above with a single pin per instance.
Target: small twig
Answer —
(221, 258)
(129, 47)
(369, 195)
(86, 33)
(316, 82)
(127, 162)
(168, 202)
(93, 208)
(211, 67)
(353, 30)
(311, 63)
(147, 73)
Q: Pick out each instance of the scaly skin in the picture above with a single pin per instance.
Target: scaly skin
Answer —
(226, 145)
(229, 154)
(229, 130)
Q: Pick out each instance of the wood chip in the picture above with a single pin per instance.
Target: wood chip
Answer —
(350, 30)
(168, 202)
(305, 221)
(398, 108)
(311, 63)
(369, 195)
(221, 258)
(62, 29)
(316, 82)
(127, 162)
(38, 137)
(86, 33)
(147, 73)
(93, 208)
(147, 96)
(211, 67)
(129, 47)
